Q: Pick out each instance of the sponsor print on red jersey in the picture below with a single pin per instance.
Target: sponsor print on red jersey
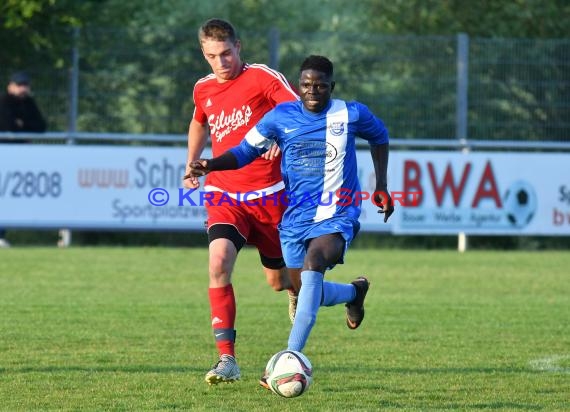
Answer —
(231, 109)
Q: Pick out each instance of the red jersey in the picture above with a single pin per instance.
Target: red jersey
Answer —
(231, 109)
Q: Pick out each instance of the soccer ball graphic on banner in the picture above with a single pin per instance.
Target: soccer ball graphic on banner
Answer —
(289, 373)
(520, 203)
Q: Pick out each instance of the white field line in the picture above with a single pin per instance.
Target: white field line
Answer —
(550, 364)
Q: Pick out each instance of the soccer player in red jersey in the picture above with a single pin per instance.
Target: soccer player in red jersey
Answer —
(228, 102)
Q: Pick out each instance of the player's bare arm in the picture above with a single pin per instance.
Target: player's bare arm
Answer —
(197, 138)
(382, 197)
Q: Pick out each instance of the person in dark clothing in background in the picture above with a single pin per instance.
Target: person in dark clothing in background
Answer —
(19, 113)
(18, 109)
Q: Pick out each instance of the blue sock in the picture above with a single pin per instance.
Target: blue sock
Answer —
(307, 307)
(335, 293)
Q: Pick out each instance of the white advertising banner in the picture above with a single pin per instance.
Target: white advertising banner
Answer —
(95, 187)
(126, 187)
(477, 193)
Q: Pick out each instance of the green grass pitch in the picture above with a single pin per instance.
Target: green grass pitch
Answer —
(128, 329)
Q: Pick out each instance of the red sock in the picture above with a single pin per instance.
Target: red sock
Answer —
(223, 315)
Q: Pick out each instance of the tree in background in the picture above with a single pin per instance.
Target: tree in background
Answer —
(138, 60)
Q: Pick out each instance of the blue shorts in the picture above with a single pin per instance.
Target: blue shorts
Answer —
(294, 239)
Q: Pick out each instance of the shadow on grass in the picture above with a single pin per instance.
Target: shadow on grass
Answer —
(430, 371)
(462, 407)
(99, 368)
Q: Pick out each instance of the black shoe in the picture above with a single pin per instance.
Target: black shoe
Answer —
(355, 309)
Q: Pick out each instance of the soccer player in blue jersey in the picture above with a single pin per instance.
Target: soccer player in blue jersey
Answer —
(317, 138)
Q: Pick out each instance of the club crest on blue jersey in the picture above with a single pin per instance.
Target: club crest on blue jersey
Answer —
(331, 153)
(336, 128)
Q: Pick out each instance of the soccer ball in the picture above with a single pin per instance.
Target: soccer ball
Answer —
(520, 203)
(289, 373)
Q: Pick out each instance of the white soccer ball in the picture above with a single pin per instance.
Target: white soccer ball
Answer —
(520, 203)
(289, 373)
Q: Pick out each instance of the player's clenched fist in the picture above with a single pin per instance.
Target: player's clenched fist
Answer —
(383, 200)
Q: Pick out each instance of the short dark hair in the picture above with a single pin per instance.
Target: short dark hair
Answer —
(318, 63)
(217, 29)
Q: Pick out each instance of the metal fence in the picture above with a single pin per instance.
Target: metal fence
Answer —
(430, 87)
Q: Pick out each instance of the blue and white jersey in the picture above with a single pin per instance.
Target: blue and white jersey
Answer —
(318, 156)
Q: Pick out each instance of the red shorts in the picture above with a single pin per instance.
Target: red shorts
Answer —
(256, 220)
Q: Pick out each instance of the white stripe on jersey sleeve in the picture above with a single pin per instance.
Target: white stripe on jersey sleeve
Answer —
(334, 170)
(210, 76)
(257, 140)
